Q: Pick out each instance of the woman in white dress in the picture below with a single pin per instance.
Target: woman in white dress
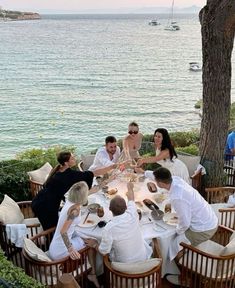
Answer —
(132, 142)
(65, 241)
(166, 155)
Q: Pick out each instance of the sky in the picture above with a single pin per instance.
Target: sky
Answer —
(37, 5)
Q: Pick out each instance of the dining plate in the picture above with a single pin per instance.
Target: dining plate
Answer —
(170, 219)
(91, 221)
(93, 207)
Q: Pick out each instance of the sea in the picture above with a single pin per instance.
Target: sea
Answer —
(75, 79)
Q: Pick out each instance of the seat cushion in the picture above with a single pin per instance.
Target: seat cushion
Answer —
(35, 252)
(10, 212)
(136, 267)
(229, 249)
(87, 161)
(40, 175)
(190, 161)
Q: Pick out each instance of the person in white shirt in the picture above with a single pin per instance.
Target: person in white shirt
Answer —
(196, 217)
(122, 237)
(106, 156)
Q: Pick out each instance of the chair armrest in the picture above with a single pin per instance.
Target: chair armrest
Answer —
(80, 166)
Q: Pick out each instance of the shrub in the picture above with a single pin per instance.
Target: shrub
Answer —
(15, 276)
(191, 149)
(13, 173)
(183, 139)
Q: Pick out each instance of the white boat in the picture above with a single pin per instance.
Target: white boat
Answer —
(194, 66)
(154, 22)
(172, 25)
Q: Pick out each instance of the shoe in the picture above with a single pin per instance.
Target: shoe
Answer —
(175, 279)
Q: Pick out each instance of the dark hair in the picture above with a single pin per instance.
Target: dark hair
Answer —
(110, 139)
(62, 157)
(134, 124)
(166, 142)
(117, 205)
(163, 175)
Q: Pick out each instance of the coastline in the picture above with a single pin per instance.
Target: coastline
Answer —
(7, 15)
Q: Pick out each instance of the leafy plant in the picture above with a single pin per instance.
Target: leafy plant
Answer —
(15, 276)
(191, 149)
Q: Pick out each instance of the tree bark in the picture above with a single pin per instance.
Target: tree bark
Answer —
(217, 20)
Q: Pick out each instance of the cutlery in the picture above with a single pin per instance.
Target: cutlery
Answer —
(86, 217)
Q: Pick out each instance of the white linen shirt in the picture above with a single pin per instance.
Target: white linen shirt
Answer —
(102, 159)
(122, 238)
(192, 209)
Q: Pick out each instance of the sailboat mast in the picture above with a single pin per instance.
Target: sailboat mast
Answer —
(172, 8)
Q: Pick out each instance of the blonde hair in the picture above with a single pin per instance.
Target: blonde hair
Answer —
(78, 193)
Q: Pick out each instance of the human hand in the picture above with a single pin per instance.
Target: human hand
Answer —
(73, 253)
(139, 170)
(140, 162)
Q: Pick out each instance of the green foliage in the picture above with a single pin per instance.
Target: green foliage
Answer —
(16, 276)
(13, 173)
(183, 139)
(198, 104)
(191, 149)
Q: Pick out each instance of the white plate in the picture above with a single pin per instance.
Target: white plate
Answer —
(170, 219)
(91, 221)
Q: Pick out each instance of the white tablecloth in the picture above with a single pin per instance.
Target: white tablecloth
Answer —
(150, 228)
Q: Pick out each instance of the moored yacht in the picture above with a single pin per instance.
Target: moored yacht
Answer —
(194, 66)
(154, 22)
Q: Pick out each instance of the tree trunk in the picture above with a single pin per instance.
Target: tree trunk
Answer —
(217, 20)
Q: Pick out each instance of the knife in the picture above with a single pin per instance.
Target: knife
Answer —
(86, 217)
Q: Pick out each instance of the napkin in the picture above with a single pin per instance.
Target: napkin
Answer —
(16, 233)
(231, 200)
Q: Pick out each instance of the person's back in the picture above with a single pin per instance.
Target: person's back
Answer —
(201, 213)
(128, 244)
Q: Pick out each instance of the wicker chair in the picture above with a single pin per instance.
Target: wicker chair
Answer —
(218, 194)
(86, 162)
(202, 268)
(48, 273)
(117, 279)
(227, 217)
(35, 187)
(12, 252)
(197, 180)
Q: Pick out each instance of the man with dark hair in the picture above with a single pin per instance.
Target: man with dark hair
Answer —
(122, 237)
(106, 156)
(196, 217)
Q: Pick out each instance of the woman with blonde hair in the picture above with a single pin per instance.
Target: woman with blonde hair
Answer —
(132, 142)
(65, 240)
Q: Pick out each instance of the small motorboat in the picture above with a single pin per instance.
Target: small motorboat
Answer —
(172, 27)
(154, 22)
(195, 66)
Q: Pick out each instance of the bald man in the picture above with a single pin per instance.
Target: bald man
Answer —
(122, 237)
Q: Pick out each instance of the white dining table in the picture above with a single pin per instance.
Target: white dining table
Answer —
(150, 228)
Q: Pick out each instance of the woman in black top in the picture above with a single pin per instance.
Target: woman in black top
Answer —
(47, 202)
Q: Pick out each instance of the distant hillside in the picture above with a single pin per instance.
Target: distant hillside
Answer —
(6, 15)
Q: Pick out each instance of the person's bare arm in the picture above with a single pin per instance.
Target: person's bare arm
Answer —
(130, 192)
(72, 214)
(162, 155)
(104, 170)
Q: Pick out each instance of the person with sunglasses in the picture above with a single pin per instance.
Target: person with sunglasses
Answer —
(132, 142)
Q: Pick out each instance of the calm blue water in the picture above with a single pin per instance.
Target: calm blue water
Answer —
(76, 79)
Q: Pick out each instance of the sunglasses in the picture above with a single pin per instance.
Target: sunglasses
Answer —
(133, 132)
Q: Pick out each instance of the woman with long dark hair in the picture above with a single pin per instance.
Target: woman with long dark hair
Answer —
(166, 155)
(46, 204)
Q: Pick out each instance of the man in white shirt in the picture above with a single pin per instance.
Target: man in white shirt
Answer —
(106, 156)
(122, 237)
(196, 217)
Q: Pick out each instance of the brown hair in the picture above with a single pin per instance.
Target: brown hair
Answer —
(117, 205)
(62, 157)
(162, 175)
